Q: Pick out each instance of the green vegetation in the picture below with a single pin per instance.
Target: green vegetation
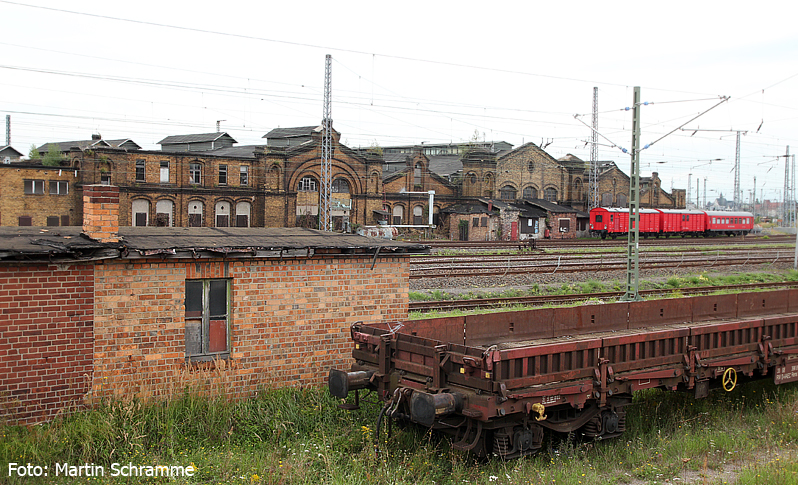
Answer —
(53, 157)
(292, 436)
(594, 286)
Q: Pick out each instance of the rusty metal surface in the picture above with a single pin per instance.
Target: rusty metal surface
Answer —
(714, 307)
(602, 318)
(660, 312)
(445, 329)
(495, 328)
(749, 304)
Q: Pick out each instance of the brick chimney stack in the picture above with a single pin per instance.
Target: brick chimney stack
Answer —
(101, 212)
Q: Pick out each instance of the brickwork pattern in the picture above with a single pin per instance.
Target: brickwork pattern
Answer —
(290, 321)
(15, 203)
(46, 339)
(101, 212)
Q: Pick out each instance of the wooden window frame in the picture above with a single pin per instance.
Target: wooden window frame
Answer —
(204, 319)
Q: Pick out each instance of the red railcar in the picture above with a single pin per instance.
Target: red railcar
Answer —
(729, 223)
(614, 222)
(676, 222)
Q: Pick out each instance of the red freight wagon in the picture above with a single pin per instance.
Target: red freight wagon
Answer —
(682, 222)
(614, 222)
(729, 223)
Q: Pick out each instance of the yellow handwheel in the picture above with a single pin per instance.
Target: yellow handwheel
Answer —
(729, 379)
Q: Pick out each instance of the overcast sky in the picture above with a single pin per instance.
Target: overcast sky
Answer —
(411, 72)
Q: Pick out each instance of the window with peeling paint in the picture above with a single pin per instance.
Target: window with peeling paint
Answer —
(207, 319)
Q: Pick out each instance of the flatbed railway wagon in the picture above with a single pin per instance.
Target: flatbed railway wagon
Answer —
(497, 383)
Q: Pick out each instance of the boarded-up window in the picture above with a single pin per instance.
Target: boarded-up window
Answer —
(52, 220)
(195, 210)
(243, 210)
(64, 220)
(483, 222)
(207, 319)
(25, 220)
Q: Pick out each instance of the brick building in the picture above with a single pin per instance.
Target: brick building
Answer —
(152, 310)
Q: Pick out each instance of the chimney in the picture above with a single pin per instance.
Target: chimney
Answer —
(101, 212)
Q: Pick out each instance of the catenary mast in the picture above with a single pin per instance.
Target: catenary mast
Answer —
(325, 192)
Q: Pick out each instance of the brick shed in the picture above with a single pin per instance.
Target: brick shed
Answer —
(103, 311)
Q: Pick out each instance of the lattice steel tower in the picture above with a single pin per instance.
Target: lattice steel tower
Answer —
(737, 195)
(325, 192)
(593, 197)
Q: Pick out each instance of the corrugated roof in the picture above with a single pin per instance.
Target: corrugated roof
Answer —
(197, 138)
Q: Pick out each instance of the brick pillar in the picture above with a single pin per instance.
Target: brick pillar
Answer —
(101, 212)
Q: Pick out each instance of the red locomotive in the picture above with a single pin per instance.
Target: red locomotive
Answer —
(614, 222)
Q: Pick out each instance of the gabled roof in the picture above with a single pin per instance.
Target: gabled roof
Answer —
(65, 146)
(550, 206)
(295, 132)
(8, 150)
(529, 147)
(480, 207)
(243, 151)
(445, 165)
(198, 138)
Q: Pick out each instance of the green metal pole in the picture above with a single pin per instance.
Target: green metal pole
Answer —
(632, 255)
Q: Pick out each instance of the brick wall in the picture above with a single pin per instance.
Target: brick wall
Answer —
(15, 203)
(45, 339)
(290, 321)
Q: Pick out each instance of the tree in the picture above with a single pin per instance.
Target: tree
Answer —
(33, 153)
(53, 157)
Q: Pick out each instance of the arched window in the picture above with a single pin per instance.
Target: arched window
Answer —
(398, 215)
(472, 177)
(530, 193)
(222, 214)
(417, 175)
(550, 194)
(243, 210)
(163, 213)
(621, 198)
(578, 190)
(508, 192)
(340, 186)
(530, 166)
(488, 189)
(195, 210)
(418, 215)
(141, 212)
(307, 184)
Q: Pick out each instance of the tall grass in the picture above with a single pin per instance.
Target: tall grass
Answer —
(299, 436)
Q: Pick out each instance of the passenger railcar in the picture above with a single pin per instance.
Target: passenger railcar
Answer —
(729, 223)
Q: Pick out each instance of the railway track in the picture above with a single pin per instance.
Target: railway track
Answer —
(562, 243)
(549, 264)
(473, 304)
